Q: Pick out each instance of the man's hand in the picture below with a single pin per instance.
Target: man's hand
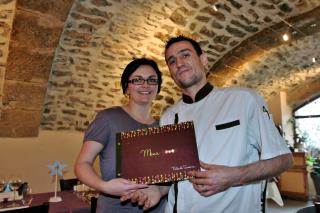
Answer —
(215, 179)
(147, 197)
(218, 178)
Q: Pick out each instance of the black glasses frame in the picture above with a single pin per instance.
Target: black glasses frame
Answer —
(140, 81)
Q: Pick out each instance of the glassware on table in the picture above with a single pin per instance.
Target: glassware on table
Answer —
(27, 196)
(15, 182)
(2, 184)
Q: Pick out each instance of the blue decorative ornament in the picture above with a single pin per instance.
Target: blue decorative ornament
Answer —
(56, 168)
(7, 188)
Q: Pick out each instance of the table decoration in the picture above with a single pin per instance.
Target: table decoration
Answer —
(7, 188)
(27, 196)
(15, 182)
(81, 188)
(56, 169)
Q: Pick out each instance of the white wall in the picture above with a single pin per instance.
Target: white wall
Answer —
(29, 157)
(281, 113)
(286, 114)
(274, 106)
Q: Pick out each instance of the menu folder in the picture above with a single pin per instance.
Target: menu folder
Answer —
(158, 154)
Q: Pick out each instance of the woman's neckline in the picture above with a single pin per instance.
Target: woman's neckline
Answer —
(133, 117)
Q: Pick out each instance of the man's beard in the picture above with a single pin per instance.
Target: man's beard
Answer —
(190, 82)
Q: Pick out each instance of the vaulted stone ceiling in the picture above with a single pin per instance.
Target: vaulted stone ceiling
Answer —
(62, 59)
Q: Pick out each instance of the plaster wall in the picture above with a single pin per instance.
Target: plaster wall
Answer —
(274, 106)
(30, 157)
(286, 114)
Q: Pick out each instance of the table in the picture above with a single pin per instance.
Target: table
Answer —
(70, 202)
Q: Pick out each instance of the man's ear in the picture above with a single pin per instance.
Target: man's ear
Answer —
(204, 59)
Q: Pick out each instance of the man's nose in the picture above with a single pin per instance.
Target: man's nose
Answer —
(179, 61)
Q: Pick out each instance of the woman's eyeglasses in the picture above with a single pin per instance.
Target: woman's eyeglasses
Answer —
(140, 81)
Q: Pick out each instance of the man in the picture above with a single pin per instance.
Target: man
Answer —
(237, 141)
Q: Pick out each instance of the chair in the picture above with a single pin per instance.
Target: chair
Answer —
(93, 204)
(309, 209)
(316, 181)
(67, 184)
(44, 208)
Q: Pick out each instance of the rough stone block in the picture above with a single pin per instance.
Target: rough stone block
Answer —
(28, 65)
(20, 123)
(21, 95)
(57, 8)
(35, 31)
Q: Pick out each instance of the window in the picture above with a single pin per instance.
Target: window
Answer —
(307, 124)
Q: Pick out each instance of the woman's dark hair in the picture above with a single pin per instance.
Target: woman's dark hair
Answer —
(133, 66)
(179, 38)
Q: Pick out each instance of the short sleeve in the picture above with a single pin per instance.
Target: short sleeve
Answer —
(263, 133)
(99, 129)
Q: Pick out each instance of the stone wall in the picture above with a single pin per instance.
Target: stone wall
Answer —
(36, 30)
(267, 63)
(7, 9)
(282, 68)
(101, 37)
(66, 57)
(98, 41)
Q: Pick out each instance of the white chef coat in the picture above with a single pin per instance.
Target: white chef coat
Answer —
(233, 127)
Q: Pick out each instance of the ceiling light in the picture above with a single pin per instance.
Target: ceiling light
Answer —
(314, 60)
(285, 37)
(216, 7)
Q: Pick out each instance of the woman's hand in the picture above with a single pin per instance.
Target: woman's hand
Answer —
(120, 187)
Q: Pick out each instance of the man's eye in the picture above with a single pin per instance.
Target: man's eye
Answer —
(172, 61)
(185, 55)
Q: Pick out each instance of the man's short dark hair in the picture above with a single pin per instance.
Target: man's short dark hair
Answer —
(133, 66)
(179, 38)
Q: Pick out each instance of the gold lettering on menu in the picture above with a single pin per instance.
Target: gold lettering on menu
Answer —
(149, 153)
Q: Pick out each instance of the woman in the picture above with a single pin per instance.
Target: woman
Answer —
(141, 81)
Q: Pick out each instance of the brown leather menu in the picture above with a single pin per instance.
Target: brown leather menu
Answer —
(158, 154)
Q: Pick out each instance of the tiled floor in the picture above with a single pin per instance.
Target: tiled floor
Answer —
(290, 206)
